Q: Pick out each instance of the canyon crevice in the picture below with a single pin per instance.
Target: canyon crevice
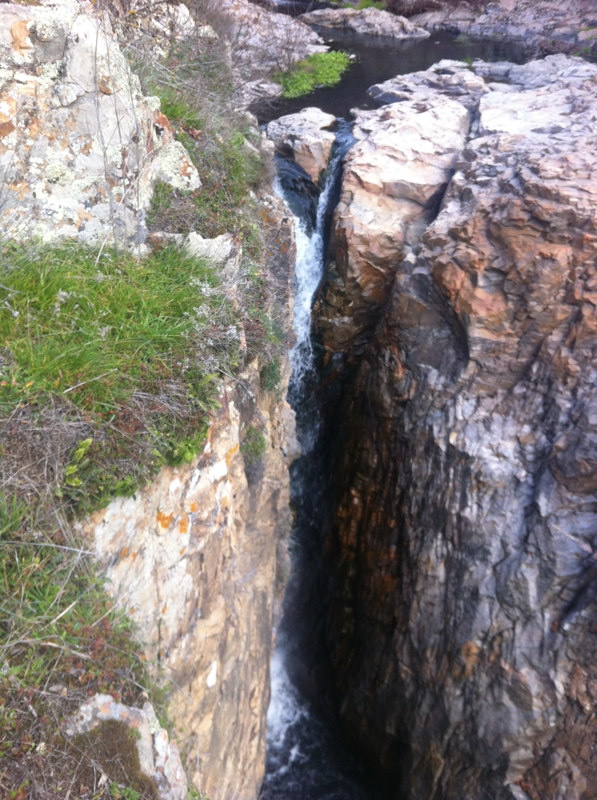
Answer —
(459, 319)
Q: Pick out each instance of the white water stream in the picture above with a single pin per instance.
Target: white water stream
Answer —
(304, 760)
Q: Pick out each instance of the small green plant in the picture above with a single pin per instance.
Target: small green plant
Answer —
(118, 792)
(271, 375)
(370, 4)
(12, 511)
(253, 444)
(319, 69)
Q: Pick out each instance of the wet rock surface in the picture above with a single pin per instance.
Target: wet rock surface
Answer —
(461, 552)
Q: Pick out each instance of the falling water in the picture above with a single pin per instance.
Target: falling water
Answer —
(310, 247)
(305, 760)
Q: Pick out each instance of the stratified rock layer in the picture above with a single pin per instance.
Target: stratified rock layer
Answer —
(461, 554)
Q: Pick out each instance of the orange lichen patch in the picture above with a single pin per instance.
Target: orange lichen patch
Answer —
(21, 189)
(182, 551)
(187, 168)
(163, 121)
(20, 35)
(124, 552)
(134, 554)
(6, 128)
(163, 608)
(183, 525)
(470, 654)
(229, 455)
(82, 217)
(164, 520)
(103, 84)
(193, 507)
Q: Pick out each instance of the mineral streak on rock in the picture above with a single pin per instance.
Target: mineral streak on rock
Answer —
(461, 553)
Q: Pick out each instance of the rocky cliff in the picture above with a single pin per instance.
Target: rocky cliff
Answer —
(459, 322)
(192, 557)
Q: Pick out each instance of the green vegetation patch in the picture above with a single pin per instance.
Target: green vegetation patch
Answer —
(108, 365)
(320, 69)
(97, 327)
(60, 641)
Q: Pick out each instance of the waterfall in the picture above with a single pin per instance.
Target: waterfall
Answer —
(310, 256)
(305, 759)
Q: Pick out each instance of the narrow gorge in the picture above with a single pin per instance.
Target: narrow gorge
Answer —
(456, 331)
(378, 519)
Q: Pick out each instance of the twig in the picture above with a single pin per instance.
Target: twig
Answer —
(83, 383)
(49, 544)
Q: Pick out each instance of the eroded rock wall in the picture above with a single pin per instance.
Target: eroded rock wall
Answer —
(192, 558)
(461, 316)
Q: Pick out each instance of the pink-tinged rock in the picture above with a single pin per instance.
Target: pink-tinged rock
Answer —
(306, 136)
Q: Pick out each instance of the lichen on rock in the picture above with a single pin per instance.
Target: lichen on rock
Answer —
(80, 146)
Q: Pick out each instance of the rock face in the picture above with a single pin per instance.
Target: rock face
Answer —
(306, 137)
(394, 178)
(192, 559)
(461, 552)
(548, 27)
(80, 146)
(367, 21)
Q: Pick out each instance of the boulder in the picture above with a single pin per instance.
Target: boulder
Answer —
(306, 137)
(366, 21)
(261, 40)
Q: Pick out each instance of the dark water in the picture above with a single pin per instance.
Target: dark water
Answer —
(377, 60)
(307, 758)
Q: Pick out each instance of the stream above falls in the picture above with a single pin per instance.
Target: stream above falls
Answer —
(377, 59)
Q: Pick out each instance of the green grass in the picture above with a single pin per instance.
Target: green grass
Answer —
(127, 352)
(94, 327)
(320, 69)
